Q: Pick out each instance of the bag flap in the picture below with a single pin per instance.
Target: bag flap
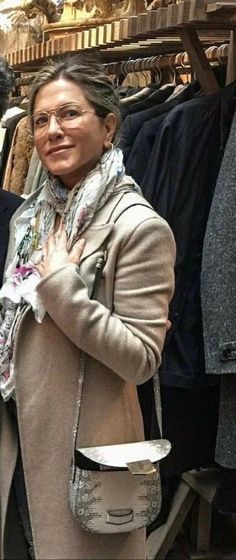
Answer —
(121, 454)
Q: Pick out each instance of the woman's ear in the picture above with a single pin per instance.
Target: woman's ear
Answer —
(110, 123)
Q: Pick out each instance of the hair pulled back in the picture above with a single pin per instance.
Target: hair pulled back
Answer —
(89, 76)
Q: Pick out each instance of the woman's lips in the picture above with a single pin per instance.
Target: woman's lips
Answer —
(58, 150)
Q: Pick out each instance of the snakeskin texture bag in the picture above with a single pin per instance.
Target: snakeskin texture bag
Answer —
(116, 488)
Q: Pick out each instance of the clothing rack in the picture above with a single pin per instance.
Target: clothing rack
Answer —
(195, 23)
(155, 63)
(176, 61)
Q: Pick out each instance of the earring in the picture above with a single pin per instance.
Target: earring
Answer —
(110, 146)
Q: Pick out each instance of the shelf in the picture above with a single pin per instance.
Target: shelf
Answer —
(162, 24)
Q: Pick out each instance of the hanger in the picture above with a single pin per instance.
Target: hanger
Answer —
(155, 65)
(144, 70)
(173, 69)
(221, 52)
(185, 65)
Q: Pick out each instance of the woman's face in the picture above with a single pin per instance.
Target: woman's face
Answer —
(70, 153)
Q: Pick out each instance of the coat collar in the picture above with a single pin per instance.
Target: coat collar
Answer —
(95, 236)
(101, 227)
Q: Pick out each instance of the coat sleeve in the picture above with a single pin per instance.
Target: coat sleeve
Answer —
(128, 340)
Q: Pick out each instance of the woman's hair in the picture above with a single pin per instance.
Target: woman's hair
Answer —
(89, 76)
(6, 83)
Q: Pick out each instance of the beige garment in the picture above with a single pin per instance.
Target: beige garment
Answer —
(122, 334)
(19, 158)
(36, 174)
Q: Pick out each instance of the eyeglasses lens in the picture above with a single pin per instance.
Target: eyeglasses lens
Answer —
(67, 115)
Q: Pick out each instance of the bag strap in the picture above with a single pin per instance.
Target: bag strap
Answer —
(101, 261)
(155, 379)
(127, 208)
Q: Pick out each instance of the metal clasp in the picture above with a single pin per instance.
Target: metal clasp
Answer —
(142, 467)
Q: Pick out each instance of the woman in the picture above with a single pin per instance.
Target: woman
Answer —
(86, 203)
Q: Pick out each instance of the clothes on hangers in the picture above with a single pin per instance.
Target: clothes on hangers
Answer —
(133, 123)
(139, 113)
(218, 297)
(176, 156)
(177, 91)
(155, 96)
(8, 205)
(19, 158)
(218, 289)
(180, 179)
(10, 125)
(137, 93)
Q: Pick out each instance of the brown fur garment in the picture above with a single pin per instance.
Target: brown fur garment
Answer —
(22, 152)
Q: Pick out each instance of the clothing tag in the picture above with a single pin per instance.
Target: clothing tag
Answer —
(141, 467)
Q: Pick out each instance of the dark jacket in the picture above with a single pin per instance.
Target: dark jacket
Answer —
(135, 120)
(152, 98)
(219, 269)
(9, 202)
(179, 182)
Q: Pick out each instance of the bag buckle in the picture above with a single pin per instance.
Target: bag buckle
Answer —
(141, 467)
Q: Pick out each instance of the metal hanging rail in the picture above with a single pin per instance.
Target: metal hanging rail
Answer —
(154, 63)
(213, 53)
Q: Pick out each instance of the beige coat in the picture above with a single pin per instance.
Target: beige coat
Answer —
(123, 334)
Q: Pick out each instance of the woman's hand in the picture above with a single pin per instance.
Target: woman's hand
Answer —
(56, 254)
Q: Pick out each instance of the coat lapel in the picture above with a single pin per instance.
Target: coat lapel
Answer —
(95, 236)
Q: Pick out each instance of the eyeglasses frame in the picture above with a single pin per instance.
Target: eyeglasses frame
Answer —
(55, 112)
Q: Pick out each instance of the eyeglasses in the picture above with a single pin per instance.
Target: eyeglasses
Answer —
(69, 116)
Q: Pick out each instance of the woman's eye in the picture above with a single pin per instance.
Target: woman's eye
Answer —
(70, 113)
(40, 121)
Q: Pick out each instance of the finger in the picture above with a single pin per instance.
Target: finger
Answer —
(39, 267)
(44, 253)
(76, 251)
(61, 238)
(61, 227)
(50, 243)
(168, 326)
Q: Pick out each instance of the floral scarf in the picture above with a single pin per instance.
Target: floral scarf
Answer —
(76, 208)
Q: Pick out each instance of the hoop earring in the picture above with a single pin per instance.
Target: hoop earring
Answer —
(110, 147)
(107, 152)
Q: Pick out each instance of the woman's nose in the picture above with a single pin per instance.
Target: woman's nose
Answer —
(54, 125)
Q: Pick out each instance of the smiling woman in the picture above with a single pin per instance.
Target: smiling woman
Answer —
(88, 211)
(69, 147)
